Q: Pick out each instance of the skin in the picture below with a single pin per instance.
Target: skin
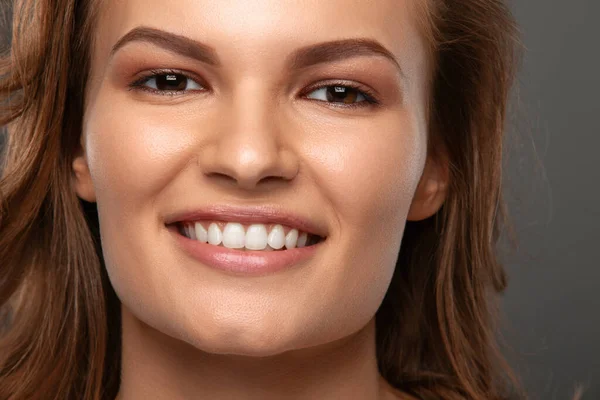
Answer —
(251, 137)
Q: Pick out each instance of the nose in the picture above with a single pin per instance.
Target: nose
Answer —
(249, 148)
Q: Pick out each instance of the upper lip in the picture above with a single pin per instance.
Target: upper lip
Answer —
(250, 214)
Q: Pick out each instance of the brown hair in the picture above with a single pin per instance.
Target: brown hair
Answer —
(435, 328)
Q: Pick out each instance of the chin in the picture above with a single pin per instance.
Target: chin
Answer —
(243, 345)
(253, 339)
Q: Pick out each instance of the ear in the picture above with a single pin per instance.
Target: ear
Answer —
(81, 180)
(432, 189)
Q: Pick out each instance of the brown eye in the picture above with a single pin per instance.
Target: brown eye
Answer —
(339, 94)
(169, 82)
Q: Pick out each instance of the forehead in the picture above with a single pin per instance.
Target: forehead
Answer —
(265, 29)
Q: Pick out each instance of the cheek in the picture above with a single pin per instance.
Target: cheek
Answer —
(369, 178)
(370, 173)
(133, 153)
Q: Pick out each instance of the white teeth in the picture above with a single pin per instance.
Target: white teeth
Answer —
(234, 236)
(302, 239)
(189, 232)
(193, 232)
(214, 234)
(291, 239)
(201, 233)
(256, 237)
(276, 238)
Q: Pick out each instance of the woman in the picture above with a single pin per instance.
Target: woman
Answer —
(253, 199)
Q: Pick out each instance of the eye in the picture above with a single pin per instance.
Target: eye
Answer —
(166, 82)
(349, 95)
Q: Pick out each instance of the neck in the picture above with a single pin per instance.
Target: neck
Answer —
(157, 366)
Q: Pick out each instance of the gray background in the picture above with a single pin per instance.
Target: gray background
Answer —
(553, 172)
(552, 175)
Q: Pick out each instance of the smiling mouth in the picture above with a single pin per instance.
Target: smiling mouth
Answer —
(253, 237)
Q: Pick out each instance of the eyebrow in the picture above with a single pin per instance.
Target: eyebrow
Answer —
(301, 58)
(171, 42)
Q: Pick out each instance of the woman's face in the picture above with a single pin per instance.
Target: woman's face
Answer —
(254, 122)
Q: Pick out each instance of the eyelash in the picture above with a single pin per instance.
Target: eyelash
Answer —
(370, 100)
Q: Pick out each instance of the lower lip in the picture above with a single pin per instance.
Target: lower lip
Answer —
(250, 263)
